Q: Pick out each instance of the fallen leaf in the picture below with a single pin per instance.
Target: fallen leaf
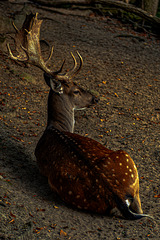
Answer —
(30, 214)
(62, 233)
(39, 228)
(53, 225)
(55, 207)
(157, 196)
(40, 210)
(36, 231)
(12, 215)
(11, 221)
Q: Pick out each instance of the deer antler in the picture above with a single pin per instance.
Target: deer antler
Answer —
(31, 52)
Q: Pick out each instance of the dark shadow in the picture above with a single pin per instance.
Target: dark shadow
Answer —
(19, 165)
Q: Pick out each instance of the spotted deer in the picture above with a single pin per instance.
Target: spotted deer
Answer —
(83, 172)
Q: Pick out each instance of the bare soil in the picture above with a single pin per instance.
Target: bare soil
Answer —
(125, 74)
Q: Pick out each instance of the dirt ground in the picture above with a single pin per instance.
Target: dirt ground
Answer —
(125, 74)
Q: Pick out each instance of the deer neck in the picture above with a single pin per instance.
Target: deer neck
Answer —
(60, 112)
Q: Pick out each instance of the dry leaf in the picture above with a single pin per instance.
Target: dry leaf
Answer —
(55, 207)
(11, 221)
(62, 233)
(30, 214)
(12, 215)
(157, 196)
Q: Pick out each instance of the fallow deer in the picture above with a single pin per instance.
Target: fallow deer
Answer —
(83, 172)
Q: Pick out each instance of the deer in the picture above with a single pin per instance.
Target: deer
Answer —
(84, 173)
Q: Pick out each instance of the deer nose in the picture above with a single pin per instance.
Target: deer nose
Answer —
(94, 99)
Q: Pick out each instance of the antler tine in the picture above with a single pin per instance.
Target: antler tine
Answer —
(69, 74)
(50, 55)
(18, 58)
(75, 64)
(80, 66)
(59, 71)
(73, 72)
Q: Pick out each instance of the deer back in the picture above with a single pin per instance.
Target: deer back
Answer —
(86, 174)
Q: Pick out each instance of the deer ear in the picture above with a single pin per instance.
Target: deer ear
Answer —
(53, 84)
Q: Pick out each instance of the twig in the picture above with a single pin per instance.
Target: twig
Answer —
(130, 36)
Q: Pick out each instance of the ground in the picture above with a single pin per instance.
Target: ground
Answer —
(125, 74)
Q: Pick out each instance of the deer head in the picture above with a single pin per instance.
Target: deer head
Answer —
(82, 171)
(64, 98)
